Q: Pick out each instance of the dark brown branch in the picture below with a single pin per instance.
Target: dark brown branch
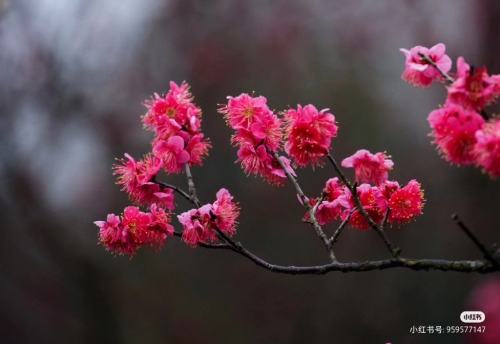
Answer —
(480, 266)
(175, 188)
(307, 206)
(475, 240)
(394, 250)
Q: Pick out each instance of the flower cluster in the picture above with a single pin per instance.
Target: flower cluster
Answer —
(401, 203)
(420, 72)
(309, 133)
(258, 134)
(473, 88)
(462, 131)
(306, 133)
(368, 167)
(199, 224)
(453, 129)
(126, 233)
(137, 178)
(175, 120)
(178, 141)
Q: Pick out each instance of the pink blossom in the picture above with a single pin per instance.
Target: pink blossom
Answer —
(111, 234)
(137, 180)
(386, 189)
(176, 109)
(197, 225)
(134, 229)
(332, 205)
(418, 71)
(176, 116)
(367, 195)
(252, 159)
(473, 88)
(242, 111)
(160, 226)
(454, 130)
(329, 211)
(309, 133)
(225, 211)
(124, 236)
(406, 202)
(267, 128)
(172, 153)
(253, 121)
(487, 147)
(193, 228)
(273, 173)
(259, 161)
(197, 148)
(368, 167)
(333, 189)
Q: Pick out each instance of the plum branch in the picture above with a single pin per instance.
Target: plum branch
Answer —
(463, 132)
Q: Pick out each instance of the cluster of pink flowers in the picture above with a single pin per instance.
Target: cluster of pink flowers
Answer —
(306, 133)
(258, 134)
(137, 178)
(376, 194)
(309, 133)
(126, 233)
(418, 71)
(461, 129)
(199, 224)
(175, 121)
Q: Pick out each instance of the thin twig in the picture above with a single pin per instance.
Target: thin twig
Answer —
(208, 245)
(307, 205)
(384, 220)
(394, 250)
(192, 189)
(318, 203)
(475, 240)
(449, 79)
(175, 188)
(337, 233)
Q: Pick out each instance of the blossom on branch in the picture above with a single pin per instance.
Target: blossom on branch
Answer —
(167, 114)
(225, 212)
(454, 129)
(197, 225)
(200, 224)
(253, 121)
(368, 167)
(172, 153)
(125, 234)
(367, 195)
(406, 202)
(473, 87)
(487, 147)
(176, 116)
(420, 72)
(258, 134)
(308, 133)
(136, 177)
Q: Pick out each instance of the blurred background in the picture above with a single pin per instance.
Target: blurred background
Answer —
(73, 77)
